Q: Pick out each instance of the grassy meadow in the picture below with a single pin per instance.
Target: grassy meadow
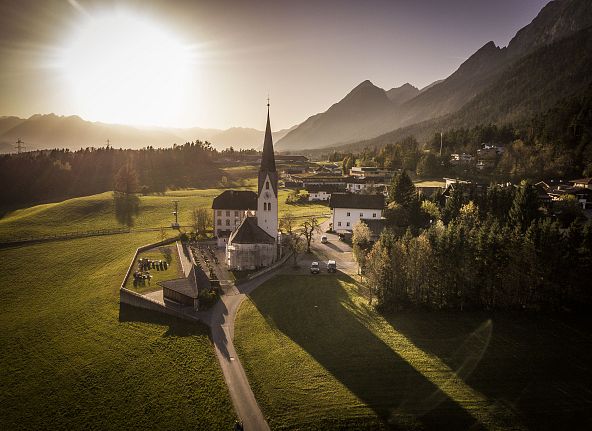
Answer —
(319, 357)
(71, 359)
(99, 211)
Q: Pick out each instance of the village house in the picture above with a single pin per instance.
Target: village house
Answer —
(348, 208)
(367, 184)
(229, 209)
(321, 192)
(369, 172)
(585, 183)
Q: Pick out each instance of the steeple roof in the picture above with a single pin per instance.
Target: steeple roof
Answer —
(267, 168)
(268, 159)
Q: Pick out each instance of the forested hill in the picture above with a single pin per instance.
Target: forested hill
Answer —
(59, 174)
(531, 86)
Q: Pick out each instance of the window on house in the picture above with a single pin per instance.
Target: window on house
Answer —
(219, 222)
(361, 215)
(266, 185)
(347, 224)
(374, 215)
(348, 214)
(219, 212)
(227, 222)
(338, 223)
(227, 213)
(236, 213)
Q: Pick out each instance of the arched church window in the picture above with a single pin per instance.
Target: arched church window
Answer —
(266, 185)
(269, 206)
(264, 206)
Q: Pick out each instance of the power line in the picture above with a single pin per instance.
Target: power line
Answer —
(19, 146)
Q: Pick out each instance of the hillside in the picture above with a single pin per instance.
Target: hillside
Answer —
(531, 86)
(365, 111)
(556, 21)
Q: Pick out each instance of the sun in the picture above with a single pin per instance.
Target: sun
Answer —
(123, 68)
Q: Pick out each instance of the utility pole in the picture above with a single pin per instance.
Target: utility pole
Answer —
(440, 144)
(108, 142)
(176, 214)
(19, 146)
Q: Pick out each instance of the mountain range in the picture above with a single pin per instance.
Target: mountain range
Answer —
(493, 85)
(546, 61)
(54, 131)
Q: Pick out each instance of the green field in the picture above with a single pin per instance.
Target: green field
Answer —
(71, 359)
(98, 212)
(318, 357)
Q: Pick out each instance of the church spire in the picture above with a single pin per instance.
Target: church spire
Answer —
(267, 158)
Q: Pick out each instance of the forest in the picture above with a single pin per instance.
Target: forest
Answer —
(59, 174)
(494, 249)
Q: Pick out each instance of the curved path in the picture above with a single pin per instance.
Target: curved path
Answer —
(221, 321)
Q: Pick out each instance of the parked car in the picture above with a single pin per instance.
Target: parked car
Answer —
(314, 268)
(332, 266)
(324, 239)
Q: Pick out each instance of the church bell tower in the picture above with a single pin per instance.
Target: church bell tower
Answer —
(267, 190)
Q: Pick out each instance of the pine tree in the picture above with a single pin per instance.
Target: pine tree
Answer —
(402, 190)
(525, 208)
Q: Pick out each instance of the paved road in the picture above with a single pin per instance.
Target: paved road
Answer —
(221, 322)
(222, 316)
(334, 249)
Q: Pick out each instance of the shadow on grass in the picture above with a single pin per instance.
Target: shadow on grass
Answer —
(127, 208)
(314, 313)
(176, 327)
(538, 364)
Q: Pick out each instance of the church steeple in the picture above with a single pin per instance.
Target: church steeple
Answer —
(267, 158)
(267, 171)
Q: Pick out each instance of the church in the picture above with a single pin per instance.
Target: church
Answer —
(253, 239)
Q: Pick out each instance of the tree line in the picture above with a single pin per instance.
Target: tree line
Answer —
(497, 249)
(59, 174)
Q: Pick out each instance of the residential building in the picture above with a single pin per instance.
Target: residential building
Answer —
(369, 172)
(348, 208)
(229, 210)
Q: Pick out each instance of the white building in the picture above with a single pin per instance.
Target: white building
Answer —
(369, 172)
(229, 210)
(321, 192)
(348, 208)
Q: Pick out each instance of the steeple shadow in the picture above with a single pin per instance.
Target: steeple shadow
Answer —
(315, 315)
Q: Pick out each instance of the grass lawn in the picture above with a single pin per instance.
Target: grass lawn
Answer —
(318, 357)
(98, 212)
(71, 359)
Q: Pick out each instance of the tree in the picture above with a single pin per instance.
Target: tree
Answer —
(295, 244)
(309, 228)
(568, 210)
(361, 241)
(402, 191)
(126, 180)
(288, 223)
(525, 207)
(202, 221)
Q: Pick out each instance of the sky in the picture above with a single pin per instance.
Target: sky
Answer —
(212, 64)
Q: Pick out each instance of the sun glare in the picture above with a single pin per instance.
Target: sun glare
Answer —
(126, 69)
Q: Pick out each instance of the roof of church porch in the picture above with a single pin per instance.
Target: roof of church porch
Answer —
(248, 232)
